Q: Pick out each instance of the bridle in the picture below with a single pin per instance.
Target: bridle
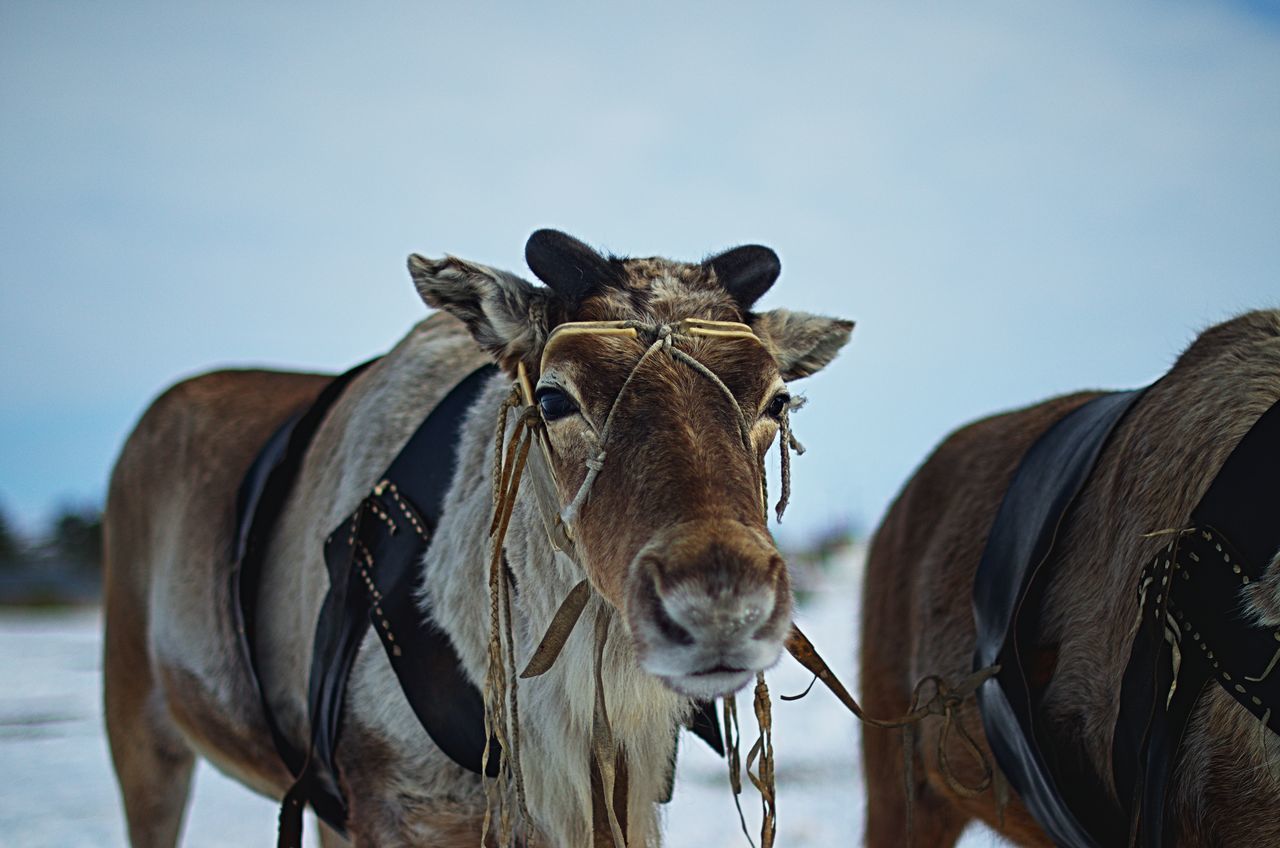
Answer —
(662, 337)
(514, 459)
(514, 456)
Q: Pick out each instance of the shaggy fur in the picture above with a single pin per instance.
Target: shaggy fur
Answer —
(175, 685)
(917, 618)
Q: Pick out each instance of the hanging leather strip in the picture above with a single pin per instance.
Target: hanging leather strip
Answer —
(259, 501)
(1008, 589)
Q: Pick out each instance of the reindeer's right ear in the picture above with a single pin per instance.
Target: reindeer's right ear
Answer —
(509, 317)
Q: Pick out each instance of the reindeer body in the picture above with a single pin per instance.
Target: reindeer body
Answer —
(918, 620)
(176, 685)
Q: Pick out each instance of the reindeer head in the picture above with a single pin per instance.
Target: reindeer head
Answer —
(672, 531)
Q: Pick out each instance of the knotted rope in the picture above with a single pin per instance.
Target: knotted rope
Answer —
(946, 699)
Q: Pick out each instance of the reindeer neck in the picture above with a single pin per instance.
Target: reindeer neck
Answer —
(557, 708)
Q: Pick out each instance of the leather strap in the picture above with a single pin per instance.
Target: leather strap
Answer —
(1008, 590)
(1191, 595)
(259, 501)
(378, 552)
(1191, 599)
(373, 559)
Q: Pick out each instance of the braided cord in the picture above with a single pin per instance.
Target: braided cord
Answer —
(501, 713)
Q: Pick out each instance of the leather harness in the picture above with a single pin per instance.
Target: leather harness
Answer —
(1194, 628)
(1190, 596)
(373, 559)
(1007, 592)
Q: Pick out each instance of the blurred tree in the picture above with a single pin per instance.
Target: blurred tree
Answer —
(11, 546)
(77, 535)
(823, 547)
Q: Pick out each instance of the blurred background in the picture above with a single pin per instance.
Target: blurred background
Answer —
(1012, 200)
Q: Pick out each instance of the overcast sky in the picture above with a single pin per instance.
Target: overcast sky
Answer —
(1013, 200)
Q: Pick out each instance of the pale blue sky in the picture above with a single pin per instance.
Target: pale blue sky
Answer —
(1012, 199)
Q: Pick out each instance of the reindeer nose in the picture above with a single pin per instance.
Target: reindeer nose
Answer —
(694, 615)
(709, 610)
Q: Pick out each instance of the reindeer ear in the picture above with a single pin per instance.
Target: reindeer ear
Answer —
(509, 317)
(746, 272)
(802, 343)
(569, 267)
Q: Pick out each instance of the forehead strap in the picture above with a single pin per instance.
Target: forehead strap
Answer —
(691, 327)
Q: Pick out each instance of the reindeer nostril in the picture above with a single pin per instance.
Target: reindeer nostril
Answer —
(668, 626)
(778, 617)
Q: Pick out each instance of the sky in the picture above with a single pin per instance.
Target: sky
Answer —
(1012, 200)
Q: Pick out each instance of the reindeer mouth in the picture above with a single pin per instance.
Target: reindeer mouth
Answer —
(720, 668)
(709, 683)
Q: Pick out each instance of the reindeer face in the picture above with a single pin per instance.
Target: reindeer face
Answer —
(672, 530)
(673, 527)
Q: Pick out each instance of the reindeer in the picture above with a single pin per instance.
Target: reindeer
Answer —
(918, 618)
(672, 540)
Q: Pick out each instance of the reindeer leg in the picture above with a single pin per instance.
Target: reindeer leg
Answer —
(935, 821)
(153, 763)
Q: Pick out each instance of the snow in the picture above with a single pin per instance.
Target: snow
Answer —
(57, 787)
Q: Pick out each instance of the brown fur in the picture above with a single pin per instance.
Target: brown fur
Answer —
(917, 616)
(186, 454)
(680, 491)
(676, 456)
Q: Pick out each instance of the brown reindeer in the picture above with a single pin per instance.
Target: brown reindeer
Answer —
(918, 617)
(673, 540)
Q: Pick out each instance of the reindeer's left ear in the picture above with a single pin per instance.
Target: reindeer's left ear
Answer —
(802, 343)
(508, 316)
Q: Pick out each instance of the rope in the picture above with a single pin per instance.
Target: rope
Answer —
(664, 336)
(558, 632)
(515, 705)
(787, 443)
(764, 778)
(763, 748)
(499, 718)
(744, 423)
(732, 740)
(947, 697)
(595, 463)
(784, 442)
(501, 466)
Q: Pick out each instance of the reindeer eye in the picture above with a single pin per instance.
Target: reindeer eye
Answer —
(554, 403)
(778, 405)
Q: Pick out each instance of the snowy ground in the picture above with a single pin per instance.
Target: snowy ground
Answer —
(57, 788)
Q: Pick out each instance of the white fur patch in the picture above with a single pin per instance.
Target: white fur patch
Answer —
(726, 651)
